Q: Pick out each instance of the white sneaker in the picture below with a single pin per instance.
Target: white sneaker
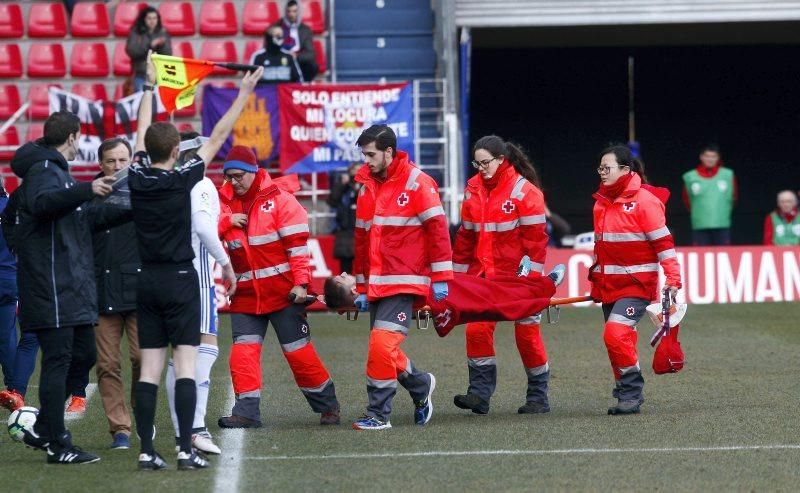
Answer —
(202, 441)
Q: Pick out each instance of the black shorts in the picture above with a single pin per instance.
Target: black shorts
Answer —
(168, 306)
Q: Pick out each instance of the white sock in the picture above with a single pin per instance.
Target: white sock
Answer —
(206, 356)
(170, 386)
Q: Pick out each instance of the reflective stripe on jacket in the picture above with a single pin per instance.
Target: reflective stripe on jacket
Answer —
(631, 240)
(402, 240)
(271, 255)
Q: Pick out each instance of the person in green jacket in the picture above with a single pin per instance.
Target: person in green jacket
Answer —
(782, 226)
(710, 192)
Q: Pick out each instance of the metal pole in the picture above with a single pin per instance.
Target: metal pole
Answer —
(631, 102)
(417, 136)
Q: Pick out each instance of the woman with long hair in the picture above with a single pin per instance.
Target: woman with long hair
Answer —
(503, 219)
(147, 33)
(631, 239)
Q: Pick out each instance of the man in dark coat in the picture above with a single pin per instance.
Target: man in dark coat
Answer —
(57, 294)
(298, 40)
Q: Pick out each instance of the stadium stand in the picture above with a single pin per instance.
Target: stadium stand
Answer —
(90, 91)
(47, 20)
(258, 15)
(11, 24)
(89, 60)
(219, 51)
(10, 61)
(218, 19)
(90, 20)
(183, 49)
(47, 61)
(178, 18)
(8, 138)
(124, 17)
(40, 105)
(9, 100)
(122, 62)
(35, 131)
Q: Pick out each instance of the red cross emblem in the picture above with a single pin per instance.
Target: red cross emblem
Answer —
(402, 199)
(628, 206)
(268, 205)
(630, 311)
(508, 206)
(401, 316)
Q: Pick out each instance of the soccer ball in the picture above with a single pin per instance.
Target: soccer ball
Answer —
(20, 420)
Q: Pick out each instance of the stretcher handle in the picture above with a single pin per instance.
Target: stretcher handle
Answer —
(310, 298)
(569, 301)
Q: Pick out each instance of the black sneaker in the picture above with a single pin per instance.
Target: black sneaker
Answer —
(626, 407)
(472, 402)
(191, 461)
(70, 455)
(32, 440)
(152, 462)
(534, 408)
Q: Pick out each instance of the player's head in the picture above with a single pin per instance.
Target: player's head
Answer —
(62, 130)
(114, 155)
(188, 146)
(490, 151)
(161, 143)
(292, 11)
(616, 161)
(378, 143)
(240, 169)
(710, 155)
(787, 201)
(340, 291)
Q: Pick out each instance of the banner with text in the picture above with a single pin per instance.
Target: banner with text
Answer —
(747, 274)
(257, 126)
(321, 123)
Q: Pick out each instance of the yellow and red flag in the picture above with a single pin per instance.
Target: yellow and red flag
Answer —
(177, 79)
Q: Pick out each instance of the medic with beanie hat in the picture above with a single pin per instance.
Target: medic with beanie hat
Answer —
(266, 229)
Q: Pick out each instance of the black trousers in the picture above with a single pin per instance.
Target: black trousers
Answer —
(68, 354)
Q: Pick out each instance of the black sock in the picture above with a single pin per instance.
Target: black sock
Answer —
(145, 412)
(185, 402)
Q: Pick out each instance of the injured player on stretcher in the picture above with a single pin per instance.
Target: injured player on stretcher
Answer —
(471, 298)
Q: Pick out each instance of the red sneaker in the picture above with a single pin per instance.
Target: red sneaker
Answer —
(11, 400)
(76, 405)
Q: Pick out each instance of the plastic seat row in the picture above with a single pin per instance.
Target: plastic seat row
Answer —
(90, 59)
(91, 19)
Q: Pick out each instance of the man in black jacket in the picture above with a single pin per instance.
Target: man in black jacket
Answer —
(117, 267)
(297, 39)
(57, 294)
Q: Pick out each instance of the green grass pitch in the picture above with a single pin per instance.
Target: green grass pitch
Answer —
(729, 420)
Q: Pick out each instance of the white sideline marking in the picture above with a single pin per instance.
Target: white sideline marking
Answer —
(228, 466)
(456, 453)
(90, 389)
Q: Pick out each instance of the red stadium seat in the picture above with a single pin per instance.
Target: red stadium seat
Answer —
(218, 19)
(47, 20)
(89, 60)
(9, 100)
(46, 60)
(40, 101)
(92, 92)
(8, 138)
(11, 25)
(10, 61)
(183, 49)
(321, 55)
(125, 16)
(177, 18)
(250, 48)
(35, 131)
(90, 20)
(122, 62)
(219, 51)
(312, 16)
(258, 15)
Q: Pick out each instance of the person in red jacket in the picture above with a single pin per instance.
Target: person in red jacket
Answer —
(402, 251)
(631, 239)
(265, 229)
(502, 219)
(782, 226)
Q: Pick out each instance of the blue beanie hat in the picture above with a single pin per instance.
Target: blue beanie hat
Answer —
(241, 157)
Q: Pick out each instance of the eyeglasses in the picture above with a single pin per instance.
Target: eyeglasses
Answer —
(237, 177)
(607, 169)
(482, 164)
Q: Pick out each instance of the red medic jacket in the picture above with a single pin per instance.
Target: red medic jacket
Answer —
(271, 255)
(402, 240)
(631, 239)
(499, 226)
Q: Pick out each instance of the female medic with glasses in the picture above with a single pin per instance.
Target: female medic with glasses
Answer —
(631, 239)
(502, 220)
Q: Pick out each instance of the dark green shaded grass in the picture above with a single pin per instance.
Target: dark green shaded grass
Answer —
(739, 388)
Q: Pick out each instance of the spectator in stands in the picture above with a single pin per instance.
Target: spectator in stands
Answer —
(116, 267)
(279, 66)
(298, 40)
(343, 201)
(147, 34)
(57, 294)
(710, 192)
(782, 226)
